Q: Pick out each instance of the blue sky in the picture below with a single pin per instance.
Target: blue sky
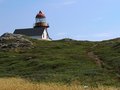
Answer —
(77, 19)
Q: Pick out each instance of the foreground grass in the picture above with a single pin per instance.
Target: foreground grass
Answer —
(64, 62)
(21, 84)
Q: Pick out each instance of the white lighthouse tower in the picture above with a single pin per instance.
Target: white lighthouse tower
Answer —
(41, 23)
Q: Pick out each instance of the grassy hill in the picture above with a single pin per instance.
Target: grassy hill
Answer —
(84, 62)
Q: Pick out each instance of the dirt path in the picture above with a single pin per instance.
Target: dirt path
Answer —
(97, 60)
(100, 63)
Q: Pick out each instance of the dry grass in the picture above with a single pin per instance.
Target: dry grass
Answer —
(21, 84)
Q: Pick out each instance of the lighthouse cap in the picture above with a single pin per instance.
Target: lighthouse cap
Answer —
(40, 15)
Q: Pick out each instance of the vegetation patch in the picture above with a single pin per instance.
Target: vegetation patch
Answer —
(64, 61)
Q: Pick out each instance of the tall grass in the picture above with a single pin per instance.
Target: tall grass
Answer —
(21, 84)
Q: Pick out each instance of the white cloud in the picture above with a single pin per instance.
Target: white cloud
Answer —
(70, 2)
(97, 19)
(104, 34)
(109, 34)
(63, 4)
(61, 34)
(93, 37)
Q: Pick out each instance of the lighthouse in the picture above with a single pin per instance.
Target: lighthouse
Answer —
(39, 30)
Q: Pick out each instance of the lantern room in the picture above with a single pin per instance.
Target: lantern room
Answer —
(41, 20)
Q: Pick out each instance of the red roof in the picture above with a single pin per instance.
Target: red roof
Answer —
(40, 15)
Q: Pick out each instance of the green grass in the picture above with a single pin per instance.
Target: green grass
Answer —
(63, 62)
(109, 52)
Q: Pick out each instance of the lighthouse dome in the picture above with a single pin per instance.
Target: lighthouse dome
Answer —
(40, 15)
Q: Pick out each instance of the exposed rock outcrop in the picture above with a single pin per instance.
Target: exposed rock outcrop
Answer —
(12, 41)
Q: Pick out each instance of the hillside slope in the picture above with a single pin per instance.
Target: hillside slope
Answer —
(64, 62)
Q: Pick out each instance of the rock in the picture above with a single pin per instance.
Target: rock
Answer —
(12, 41)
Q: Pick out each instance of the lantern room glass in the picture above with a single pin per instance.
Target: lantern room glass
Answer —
(40, 20)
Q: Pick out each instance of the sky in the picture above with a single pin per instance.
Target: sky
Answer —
(93, 20)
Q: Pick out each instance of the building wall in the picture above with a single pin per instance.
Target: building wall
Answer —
(36, 37)
(45, 35)
(40, 38)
